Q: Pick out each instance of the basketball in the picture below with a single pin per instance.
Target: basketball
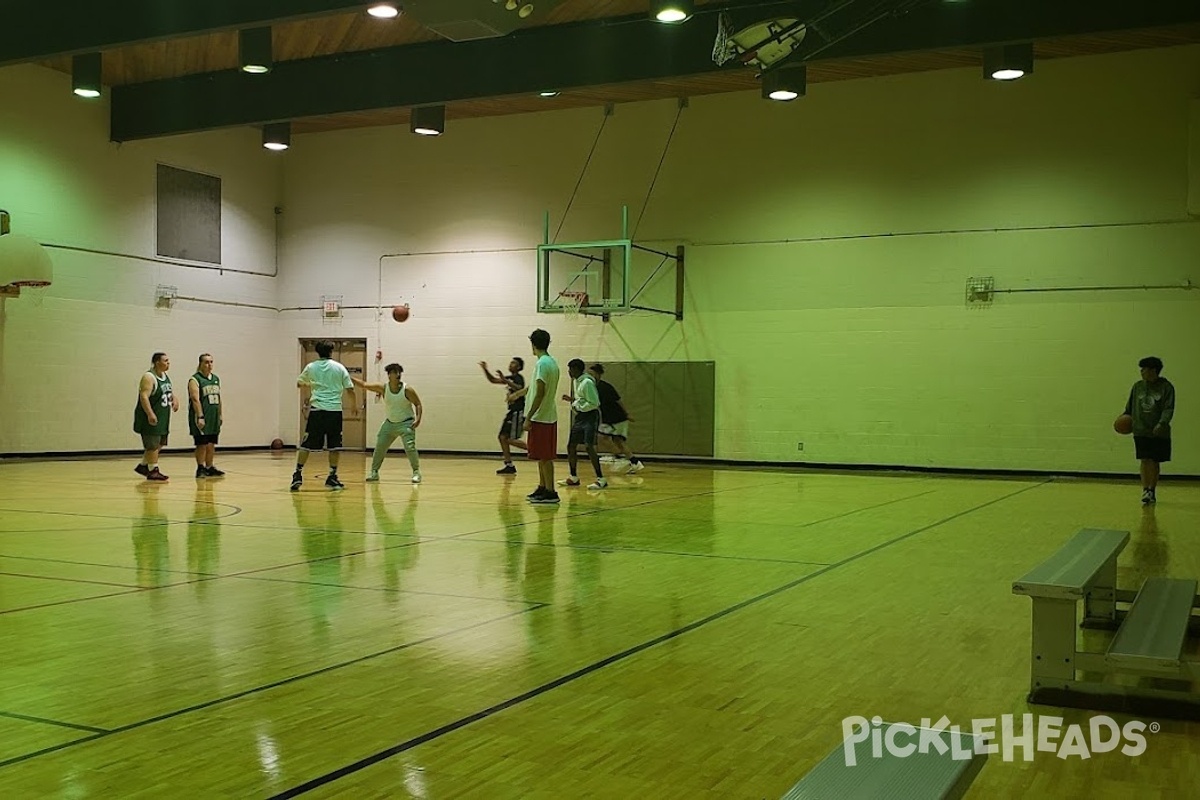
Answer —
(400, 313)
(277, 444)
(1123, 425)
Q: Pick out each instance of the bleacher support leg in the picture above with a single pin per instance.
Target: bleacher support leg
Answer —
(1052, 661)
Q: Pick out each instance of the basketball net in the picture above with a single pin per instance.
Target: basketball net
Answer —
(722, 52)
(573, 302)
(35, 292)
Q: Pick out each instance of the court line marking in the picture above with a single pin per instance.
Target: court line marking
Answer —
(385, 589)
(265, 687)
(67, 580)
(462, 722)
(251, 576)
(67, 602)
(59, 723)
(42, 512)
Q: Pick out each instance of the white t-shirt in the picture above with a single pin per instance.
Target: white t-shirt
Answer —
(586, 396)
(546, 371)
(399, 408)
(327, 378)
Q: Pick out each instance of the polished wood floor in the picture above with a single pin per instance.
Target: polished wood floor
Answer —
(687, 633)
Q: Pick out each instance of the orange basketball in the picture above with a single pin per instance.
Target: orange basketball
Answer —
(1123, 425)
(400, 313)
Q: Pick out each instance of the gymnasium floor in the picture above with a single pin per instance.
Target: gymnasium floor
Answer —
(688, 633)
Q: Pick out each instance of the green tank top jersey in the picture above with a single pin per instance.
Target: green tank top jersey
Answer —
(210, 404)
(160, 401)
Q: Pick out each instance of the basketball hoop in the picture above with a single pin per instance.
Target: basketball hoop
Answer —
(573, 302)
(36, 291)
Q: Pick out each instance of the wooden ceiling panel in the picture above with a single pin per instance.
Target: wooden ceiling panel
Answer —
(745, 80)
(310, 38)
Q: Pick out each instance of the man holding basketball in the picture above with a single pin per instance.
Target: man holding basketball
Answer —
(1151, 404)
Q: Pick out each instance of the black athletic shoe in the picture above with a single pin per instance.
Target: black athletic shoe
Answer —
(297, 481)
(535, 494)
(333, 483)
(213, 472)
(507, 469)
(549, 498)
(201, 472)
(142, 469)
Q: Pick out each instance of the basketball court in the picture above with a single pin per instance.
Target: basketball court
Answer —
(698, 633)
(868, 346)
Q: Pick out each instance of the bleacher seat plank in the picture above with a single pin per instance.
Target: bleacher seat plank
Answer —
(1152, 635)
(1069, 573)
(918, 776)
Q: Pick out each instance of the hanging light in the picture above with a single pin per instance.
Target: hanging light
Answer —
(277, 136)
(85, 75)
(785, 83)
(384, 11)
(428, 120)
(254, 50)
(672, 11)
(1008, 62)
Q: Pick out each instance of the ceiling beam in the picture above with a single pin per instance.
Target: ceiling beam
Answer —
(37, 30)
(564, 57)
(554, 57)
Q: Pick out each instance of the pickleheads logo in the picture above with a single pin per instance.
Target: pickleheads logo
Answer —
(1047, 734)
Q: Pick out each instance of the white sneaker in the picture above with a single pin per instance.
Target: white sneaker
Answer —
(416, 477)
(572, 481)
(372, 476)
(635, 468)
(600, 483)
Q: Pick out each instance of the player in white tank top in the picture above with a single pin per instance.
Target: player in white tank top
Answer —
(399, 407)
(403, 416)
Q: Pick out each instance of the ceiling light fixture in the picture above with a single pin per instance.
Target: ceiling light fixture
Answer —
(254, 50)
(1008, 62)
(785, 83)
(384, 11)
(85, 75)
(672, 12)
(428, 120)
(277, 136)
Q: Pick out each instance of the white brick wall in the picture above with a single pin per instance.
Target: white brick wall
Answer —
(860, 346)
(829, 244)
(70, 366)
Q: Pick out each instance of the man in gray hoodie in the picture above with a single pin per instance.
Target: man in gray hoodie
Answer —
(1151, 403)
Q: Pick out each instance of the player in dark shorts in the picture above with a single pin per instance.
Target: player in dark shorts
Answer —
(1151, 403)
(326, 385)
(614, 419)
(513, 426)
(204, 416)
(152, 415)
(585, 422)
